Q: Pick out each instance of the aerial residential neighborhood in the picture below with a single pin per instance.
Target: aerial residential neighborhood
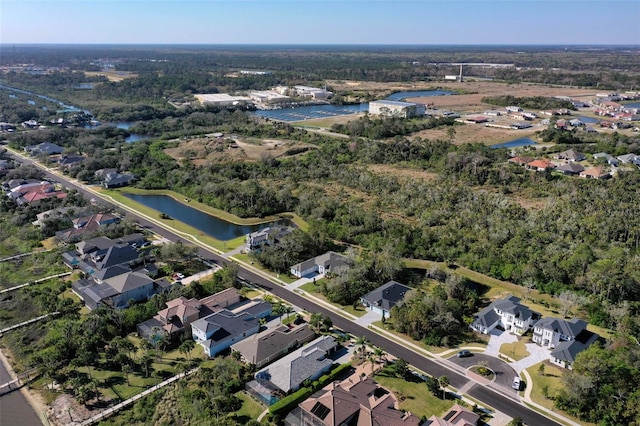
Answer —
(347, 214)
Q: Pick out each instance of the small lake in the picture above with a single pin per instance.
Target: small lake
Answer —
(401, 96)
(215, 227)
(515, 143)
(125, 125)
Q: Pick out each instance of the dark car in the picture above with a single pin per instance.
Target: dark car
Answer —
(464, 353)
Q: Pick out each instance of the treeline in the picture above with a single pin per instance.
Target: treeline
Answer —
(528, 102)
(387, 127)
(440, 316)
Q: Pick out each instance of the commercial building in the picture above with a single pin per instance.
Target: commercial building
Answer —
(221, 99)
(388, 108)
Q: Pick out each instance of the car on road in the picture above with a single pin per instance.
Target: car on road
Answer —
(517, 383)
(464, 354)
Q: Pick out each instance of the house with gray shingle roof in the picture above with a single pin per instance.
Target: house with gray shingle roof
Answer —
(570, 155)
(269, 345)
(329, 262)
(385, 297)
(505, 313)
(565, 353)
(307, 362)
(570, 169)
(222, 329)
(551, 331)
(46, 148)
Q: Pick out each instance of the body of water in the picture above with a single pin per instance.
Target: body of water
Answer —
(14, 407)
(311, 111)
(215, 227)
(401, 96)
(515, 143)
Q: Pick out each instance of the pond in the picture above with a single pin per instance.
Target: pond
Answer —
(213, 226)
(515, 143)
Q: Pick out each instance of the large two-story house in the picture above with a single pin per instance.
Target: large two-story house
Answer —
(507, 314)
(566, 338)
(220, 330)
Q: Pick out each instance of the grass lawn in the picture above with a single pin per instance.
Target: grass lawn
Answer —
(250, 409)
(417, 397)
(552, 380)
(542, 303)
(243, 257)
(515, 351)
(311, 287)
(314, 287)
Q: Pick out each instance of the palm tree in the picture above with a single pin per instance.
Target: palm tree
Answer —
(380, 355)
(186, 347)
(361, 343)
(444, 382)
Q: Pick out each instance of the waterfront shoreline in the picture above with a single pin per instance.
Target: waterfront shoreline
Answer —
(34, 400)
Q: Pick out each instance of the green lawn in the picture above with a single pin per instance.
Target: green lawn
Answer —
(515, 351)
(250, 409)
(314, 288)
(243, 257)
(432, 349)
(417, 397)
(552, 380)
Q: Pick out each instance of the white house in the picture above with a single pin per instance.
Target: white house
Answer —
(385, 297)
(323, 264)
(506, 313)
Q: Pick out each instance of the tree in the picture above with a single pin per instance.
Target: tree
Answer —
(517, 421)
(126, 369)
(361, 344)
(541, 369)
(186, 347)
(433, 385)
(443, 381)
(401, 368)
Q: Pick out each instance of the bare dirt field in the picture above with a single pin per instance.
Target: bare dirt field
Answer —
(209, 149)
(114, 76)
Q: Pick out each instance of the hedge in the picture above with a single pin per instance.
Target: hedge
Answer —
(287, 404)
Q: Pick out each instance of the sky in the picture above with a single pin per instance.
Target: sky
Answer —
(424, 22)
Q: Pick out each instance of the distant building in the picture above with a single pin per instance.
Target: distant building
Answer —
(388, 108)
(221, 99)
(46, 148)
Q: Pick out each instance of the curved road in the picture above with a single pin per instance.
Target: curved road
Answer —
(494, 398)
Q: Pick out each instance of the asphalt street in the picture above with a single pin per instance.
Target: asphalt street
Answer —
(493, 397)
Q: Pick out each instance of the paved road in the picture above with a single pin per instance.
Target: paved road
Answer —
(504, 373)
(493, 398)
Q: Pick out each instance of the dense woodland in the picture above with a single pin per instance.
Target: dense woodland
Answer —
(463, 204)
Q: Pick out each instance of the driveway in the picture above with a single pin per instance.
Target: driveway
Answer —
(368, 318)
(536, 354)
(496, 339)
(504, 372)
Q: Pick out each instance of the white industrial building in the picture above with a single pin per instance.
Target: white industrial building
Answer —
(304, 92)
(267, 96)
(395, 108)
(221, 99)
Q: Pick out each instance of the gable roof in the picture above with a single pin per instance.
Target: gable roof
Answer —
(387, 296)
(457, 416)
(116, 255)
(289, 372)
(571, 154)
(571, 168)
(595, 172)
(541, 164)
(224, 325)
(44, 148)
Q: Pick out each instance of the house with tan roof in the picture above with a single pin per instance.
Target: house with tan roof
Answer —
(175, 319)
(540, 165)
(354, 401)
(456, 416)
(595, 173)
(570, 155)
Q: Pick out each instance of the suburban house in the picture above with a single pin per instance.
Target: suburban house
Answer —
(540, 165)
(566, 338)
(457, 416)
(307, 362)
(69, 161)
(117, 180)
(115, 272)
(57, 213)
(85, 224)
(612, 161)
(354, 401)
(505, 313)
(273, 343)
(268, 236)
(629, 158)
(385, 297)
(571, 155)
(330, 262)
(46, 148)
(521, 161)
(595, 173)
(220, 330)
(570, 169)
(181, 312)
(31, 192)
